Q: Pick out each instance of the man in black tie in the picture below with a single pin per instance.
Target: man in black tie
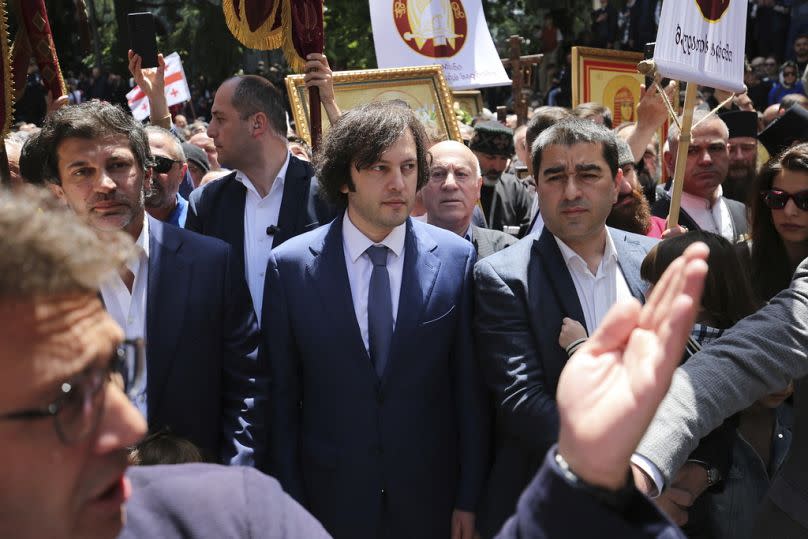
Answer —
(380, 424)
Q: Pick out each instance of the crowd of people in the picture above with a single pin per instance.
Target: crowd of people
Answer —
(229, 334)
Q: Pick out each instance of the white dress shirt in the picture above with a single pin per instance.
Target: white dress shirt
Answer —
(596, 293)
(127, 308)
(259, 214)
(710, 217)
(359, 267)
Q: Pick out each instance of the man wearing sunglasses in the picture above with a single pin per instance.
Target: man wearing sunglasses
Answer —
(180, 293)
(163, 201)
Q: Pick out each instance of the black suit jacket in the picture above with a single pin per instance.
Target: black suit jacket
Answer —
(521, 296)
(487, 242)
(510, 205)
(217, 208)
(737, 212)
(200, 332)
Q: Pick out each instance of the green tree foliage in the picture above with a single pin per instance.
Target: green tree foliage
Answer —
(348, 35)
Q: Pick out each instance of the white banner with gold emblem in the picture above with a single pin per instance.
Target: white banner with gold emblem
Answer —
(703, 41)
(452, 33)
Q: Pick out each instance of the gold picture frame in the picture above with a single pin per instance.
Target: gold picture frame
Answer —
(422, 88)
(608, 77)
(470, 101)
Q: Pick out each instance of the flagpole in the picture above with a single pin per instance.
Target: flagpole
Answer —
(681, 155)
(315, 118)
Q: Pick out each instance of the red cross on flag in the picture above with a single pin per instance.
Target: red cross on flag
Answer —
(176, 89)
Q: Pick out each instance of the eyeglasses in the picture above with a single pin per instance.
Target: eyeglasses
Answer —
(776, 199)
(77, 411)
(163, 164)
(789, 73)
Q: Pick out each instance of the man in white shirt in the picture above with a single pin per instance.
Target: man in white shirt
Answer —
(576, 268)
(181, 293)
(380, 423)
(703, 205)
(270, 196)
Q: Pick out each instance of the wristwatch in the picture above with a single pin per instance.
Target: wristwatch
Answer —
(713, 474)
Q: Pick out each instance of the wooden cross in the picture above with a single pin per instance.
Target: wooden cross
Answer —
(521, 73)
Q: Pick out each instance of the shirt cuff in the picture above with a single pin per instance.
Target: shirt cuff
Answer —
(651, 470)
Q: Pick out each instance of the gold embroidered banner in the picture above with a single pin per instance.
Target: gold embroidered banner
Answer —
(296, 26)
(34, 39)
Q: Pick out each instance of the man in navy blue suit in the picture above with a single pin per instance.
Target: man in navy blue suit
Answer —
(569, 274)
(379, 421)
(182, 293)
(270, 196)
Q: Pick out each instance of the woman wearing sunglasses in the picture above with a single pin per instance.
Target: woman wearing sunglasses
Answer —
(779, 221)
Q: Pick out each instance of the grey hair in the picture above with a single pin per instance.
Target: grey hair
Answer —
(48, 250)
(177, 151)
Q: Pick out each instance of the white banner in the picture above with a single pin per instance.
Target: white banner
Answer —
(176, 89)
(703, 41)
(452, 33)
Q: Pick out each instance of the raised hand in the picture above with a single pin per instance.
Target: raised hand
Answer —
(610, 389)
(319, 75)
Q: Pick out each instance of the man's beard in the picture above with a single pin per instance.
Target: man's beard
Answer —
(491, 177)
(633, 216)
(738, 183)
(155, 195)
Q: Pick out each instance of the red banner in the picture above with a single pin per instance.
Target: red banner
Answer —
(296, 26)
(34, 39)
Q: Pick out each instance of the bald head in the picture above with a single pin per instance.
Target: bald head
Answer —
(206, 143)
(453, 188)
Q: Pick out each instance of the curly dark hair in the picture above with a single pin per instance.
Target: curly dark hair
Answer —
(359, 138)
(771, 268)
(89, 120)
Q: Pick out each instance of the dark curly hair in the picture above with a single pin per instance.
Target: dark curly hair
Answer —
(89, 120)
(359, 138)
(771, 268)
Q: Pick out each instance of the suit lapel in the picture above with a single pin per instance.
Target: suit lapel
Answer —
(168, 284)
(482, 242)
(629, 257)
(553, 272)
(293, 202)
(233, 201)
(420, 272)
(328, 274)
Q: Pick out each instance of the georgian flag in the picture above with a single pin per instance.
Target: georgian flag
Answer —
(176, 89)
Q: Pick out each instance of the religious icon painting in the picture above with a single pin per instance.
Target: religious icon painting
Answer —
(608, 77)
(424, 89)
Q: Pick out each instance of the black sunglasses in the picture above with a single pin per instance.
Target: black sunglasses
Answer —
(163, 164)
(775, 199)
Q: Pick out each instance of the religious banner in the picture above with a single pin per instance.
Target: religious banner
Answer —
(452, 33)
(176, 89)
(703, 41)
(34, 40)
(296, 26)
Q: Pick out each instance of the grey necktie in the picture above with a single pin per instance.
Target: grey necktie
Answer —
(380, 309)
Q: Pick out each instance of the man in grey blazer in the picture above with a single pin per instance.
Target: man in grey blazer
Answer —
(452, 193)
(577, 268)
(759, 355)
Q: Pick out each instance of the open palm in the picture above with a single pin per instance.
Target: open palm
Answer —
(610, 389)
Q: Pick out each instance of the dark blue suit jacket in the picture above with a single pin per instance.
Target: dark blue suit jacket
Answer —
(203, 500)
(551, 508)
(522, 294)
(217, 208)
(375, 458)
(200, 332)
